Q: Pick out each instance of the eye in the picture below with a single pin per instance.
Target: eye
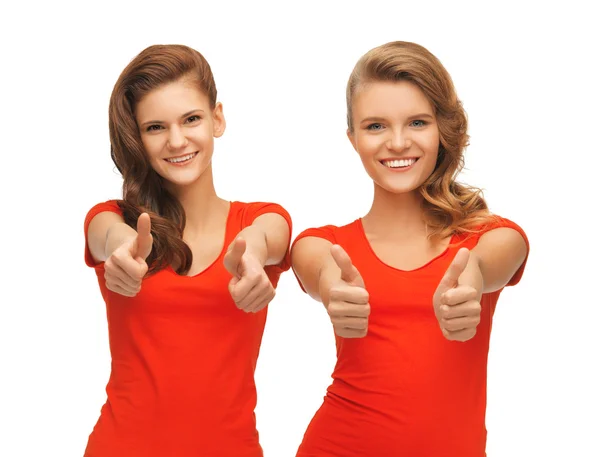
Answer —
(192, 119)
(375, 126)
(153, 128)
(418, 123)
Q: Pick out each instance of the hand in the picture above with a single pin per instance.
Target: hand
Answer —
(457, 305)
(250, 287)
(126, 266)
(348, 306)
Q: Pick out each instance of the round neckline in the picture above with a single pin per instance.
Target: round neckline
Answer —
(363, 233)
(221, 253)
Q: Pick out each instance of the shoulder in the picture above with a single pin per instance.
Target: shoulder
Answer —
(247, 212)
(333, 233)
(492, 223)
(109, 205)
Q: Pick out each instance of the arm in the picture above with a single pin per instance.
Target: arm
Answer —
(313, 264)
(495, 259)
(122, 249)
(264, 242)
(328, 275)
(267, 238)
(106, 232)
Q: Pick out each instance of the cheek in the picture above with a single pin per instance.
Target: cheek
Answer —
(152, 145)
(433, 141)
(367, 145)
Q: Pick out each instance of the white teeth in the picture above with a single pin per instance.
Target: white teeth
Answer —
(399, 163)
(181, 159)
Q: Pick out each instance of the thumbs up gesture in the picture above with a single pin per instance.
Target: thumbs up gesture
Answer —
(348, 306)
(125, 268)
(457, 306)
(250, 287)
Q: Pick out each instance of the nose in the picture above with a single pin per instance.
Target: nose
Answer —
(398, 141)
(177, 139)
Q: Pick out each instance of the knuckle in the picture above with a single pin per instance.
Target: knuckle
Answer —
(335, 293)
(445, 312)
(335, 309)
(363, 295)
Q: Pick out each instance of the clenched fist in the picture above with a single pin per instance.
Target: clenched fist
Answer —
(348, 306)
(250, 286)
(457, 306)
(126, 266)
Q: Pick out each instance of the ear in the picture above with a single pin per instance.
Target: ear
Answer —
(352, 139)
(219, 123)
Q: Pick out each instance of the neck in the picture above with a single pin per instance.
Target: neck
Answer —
(401, 214)
(199, 200)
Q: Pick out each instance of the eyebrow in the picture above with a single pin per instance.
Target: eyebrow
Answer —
(379, 119)
(198, 110)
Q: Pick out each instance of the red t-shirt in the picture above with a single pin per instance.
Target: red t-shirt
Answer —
(404, 390)
(183, 360)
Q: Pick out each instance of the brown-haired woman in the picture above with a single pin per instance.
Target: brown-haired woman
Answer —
(412, 286)
(186, 276)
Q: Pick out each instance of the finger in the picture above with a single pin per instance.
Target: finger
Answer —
(343, 261)
(466, 309)
(254, 294)
(262, 302)
(240, 289)
(132, 267)
(461, 335)
(458, 295)
(350, 333)
(114, 271)
(458, 265)
(344, 309)
(356, 323)
(132, 290)
(144, 237)
(460, 323)
(350, 294)
(233, 258)
(119, 290)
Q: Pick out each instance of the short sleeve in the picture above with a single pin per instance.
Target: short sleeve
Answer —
(326, 232)
(256, 209)
(500, 222)
(111, 206)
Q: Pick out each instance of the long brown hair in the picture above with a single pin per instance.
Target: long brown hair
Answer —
(449, 207)
(143, 188)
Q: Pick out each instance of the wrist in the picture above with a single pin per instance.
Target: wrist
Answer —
(116, 235)
(472, 275)
(256, 243)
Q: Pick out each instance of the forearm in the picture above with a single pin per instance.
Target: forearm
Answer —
(329, 273)
(315, 268)
(472, 275)
(256, 243)
(116, 235)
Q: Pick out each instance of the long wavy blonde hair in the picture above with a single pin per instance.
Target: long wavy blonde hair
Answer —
(449, 207)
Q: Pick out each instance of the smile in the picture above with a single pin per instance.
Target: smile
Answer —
(399, 163)
(182, 159)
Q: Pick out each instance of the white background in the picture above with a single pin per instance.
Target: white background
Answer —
(528, 77)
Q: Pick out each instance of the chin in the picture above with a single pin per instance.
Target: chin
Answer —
(399, 189)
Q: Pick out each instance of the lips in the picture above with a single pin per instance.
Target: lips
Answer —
(182, 158)
(398, 164)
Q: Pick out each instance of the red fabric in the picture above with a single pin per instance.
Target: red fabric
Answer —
(183, 360)
(404, 390)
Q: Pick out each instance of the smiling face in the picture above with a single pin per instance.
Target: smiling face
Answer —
(395, 132)
(177, 126)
